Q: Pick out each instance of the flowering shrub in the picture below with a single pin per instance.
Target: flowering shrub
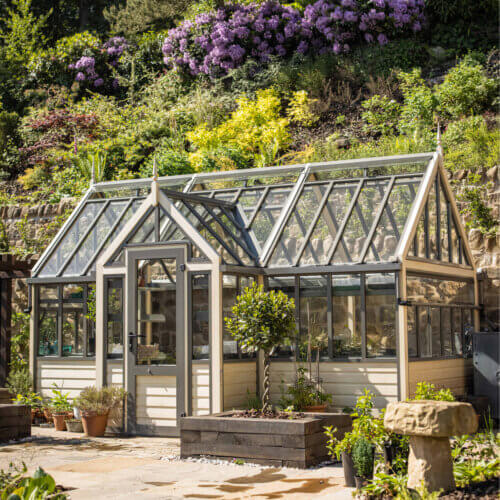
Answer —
(219, 41)
(93, 66)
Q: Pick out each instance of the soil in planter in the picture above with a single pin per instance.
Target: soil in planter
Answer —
(486, 490)
(272, 414)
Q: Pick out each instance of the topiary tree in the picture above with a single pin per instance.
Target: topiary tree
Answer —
(262, 321)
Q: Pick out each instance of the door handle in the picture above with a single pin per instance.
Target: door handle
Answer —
(131, 337)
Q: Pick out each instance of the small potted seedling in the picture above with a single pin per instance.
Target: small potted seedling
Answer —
(95, 405)
(60, 408)
(362, 458)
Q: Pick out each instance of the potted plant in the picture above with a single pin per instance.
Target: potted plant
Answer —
(74, 425)
(304, 394)
(364, 426)
(95, 405)
(60, 408)
(362, 457)
(262, 321)
(31, 399)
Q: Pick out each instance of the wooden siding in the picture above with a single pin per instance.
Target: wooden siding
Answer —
(455, 374)
(114, 375)
(70, 375)
(239, 378)
(344, 381)
(201, 389)
(156, 402)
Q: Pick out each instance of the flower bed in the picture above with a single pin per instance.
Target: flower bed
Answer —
(291, 442)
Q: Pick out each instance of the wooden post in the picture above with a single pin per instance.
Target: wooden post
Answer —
(5, 327)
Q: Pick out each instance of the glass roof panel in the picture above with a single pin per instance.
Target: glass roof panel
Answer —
(69, 241)
(95, 238)
(296, 229)
(325, 231)
(360, 220)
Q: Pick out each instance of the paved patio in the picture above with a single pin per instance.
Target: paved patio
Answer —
(149, 468)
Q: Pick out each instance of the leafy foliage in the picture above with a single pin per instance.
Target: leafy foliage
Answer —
(425, 390)
(302, 393)
(476, 471)
(262, 320)
(40, 486)
(99, 401)
(19, 342)
(59, 402)
(362, 457)
(20, 381)
(381, 114)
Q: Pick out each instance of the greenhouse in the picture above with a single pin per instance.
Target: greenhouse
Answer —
(134, 288)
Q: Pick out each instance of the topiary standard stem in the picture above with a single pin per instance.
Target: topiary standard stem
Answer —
(265, 395)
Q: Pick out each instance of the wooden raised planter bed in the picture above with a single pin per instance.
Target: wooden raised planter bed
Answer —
(289, 443)
(15, 422)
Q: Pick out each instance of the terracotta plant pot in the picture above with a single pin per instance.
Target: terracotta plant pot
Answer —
(94, 425)
(315, 409)
(74, 425)
(348, 467)
(59, 421)
(47, 414)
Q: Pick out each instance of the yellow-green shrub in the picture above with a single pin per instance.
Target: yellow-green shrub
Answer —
(300, 109)
(253, 126)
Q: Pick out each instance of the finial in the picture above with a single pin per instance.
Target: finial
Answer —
(154, 185)
(92, 173)
(155, 170)
(438, 140)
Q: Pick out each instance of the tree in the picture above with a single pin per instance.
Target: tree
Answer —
(138, 16)
(262, 321)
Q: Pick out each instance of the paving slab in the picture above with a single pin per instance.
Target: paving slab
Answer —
(150, 468)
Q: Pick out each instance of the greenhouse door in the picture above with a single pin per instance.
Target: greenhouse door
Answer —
(155, 343)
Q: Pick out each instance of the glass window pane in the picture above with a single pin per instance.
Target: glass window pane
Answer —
(72, 329)
(346, 311)
(455, 246)
(200, 316)
(269, 212)
(436, 331)
(325, 231)
(424, 332)
(360, 220)
(73, 292)
(457, 330)
(49, 292)
(156, 315)
(287, 285)
(47, 331)
(313, 317)
(229, 294)
(443, 214)
(412, 332)
(438, 290)
(419, 239)
(71, 238)
(115, 317)
(446, 330)
(431, 203)
(380, 315)
(94, 238)
(145, 232)
(296, 227)
(392, 222)
(468, 328)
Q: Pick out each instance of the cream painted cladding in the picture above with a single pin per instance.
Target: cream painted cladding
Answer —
(344, 381)
(156, 398)
(70, 375)
(114, 375)
(201, 389)
(240, 381)
(455, 374)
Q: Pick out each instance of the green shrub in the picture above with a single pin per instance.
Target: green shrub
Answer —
(419, 105)
(476, 471)
(362, 458)
(426, 390)
(302, 393)
(381, 114)
(99, 401)
(20, 381)
(169, 163)
(466, 90)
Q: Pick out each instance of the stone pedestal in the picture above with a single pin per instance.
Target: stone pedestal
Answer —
(429, 425)
(430, 461)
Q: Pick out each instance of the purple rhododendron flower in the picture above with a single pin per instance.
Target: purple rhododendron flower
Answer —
(98, 82)
(80, 77)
